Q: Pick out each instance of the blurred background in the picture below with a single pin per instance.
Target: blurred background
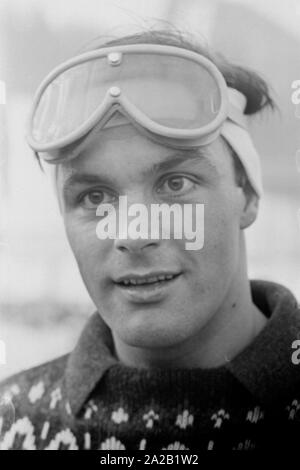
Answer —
(43, 303)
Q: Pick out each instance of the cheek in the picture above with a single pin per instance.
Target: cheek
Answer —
(221, 230)
(223, 253)
(88, 250)
(216, 263)
(223, 216)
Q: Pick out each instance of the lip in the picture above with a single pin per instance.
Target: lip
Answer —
(147, 293)
(144, 277)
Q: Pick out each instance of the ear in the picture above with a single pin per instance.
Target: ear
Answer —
(249, 209)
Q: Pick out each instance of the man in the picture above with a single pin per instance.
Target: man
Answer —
(184, 352)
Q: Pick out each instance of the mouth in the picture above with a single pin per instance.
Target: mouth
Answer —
(147, 280)
(149, 288)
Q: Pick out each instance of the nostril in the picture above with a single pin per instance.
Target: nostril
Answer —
(121, 248)
(134, 245)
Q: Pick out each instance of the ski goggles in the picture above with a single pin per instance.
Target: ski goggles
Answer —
(173, 93)
(176, 96)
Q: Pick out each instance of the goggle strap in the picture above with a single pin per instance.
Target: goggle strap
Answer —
(237, 106)
(240, 140)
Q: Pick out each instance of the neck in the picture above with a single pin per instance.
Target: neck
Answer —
(231, 329)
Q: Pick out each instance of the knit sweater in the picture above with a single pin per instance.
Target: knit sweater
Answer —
(88, 399)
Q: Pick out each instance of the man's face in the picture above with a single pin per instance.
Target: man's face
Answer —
(119, 161)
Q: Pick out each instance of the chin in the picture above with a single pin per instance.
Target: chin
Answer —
(152, 336)
(149, 342)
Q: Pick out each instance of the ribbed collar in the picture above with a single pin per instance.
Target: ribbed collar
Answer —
(264, 368)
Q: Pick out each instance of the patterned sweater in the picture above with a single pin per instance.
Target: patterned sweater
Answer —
(90, 400)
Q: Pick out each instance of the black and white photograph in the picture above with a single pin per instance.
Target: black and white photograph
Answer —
(150, 227)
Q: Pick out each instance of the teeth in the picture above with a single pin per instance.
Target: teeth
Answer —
(150, 280)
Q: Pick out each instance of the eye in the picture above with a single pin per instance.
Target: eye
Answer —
(92, 199)
(176, 184)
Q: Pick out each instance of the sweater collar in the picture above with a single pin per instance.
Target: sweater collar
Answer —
(264, 367)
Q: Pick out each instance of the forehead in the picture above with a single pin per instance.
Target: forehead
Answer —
(123, 148)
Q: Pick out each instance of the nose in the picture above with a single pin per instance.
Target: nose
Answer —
(134, 235)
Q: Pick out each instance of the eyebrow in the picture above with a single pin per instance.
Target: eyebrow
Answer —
(172, 161)
(195, 155)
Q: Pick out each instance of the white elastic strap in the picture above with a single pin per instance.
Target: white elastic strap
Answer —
(241, 142)
(235, 132)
